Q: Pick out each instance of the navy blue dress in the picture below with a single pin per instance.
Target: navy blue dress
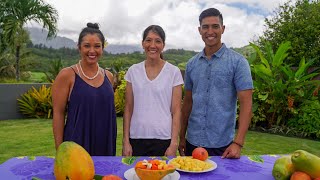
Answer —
(91, 118)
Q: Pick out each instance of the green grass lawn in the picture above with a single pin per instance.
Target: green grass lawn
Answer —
(33, 137)
(37, 77)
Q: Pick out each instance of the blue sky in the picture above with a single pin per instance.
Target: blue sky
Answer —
(123, 21)
(250, 9)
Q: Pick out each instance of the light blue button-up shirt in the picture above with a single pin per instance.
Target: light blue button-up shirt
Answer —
(214, 84)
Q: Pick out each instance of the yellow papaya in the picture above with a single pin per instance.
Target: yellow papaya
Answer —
(283, 168)
(72, 161)
(306, 162)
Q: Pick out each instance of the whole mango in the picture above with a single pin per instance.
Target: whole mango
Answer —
(306, 162)
(72, 161)
(283, 168)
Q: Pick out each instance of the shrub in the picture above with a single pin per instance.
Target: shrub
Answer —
(119, 94)
(279, 89)
(36, 103)
(54, 69)
(307, 120)
(7, 71)
(25, 75)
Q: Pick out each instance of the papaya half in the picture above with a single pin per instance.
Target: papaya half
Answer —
(148, 174)
(306, 162)
(72, 161)
(283, 168)
(153, 169)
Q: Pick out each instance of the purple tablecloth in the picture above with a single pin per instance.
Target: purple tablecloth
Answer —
(245, 168)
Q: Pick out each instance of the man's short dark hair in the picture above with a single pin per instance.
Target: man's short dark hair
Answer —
(211, 12)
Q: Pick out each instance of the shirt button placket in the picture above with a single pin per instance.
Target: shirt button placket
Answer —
(208, 70)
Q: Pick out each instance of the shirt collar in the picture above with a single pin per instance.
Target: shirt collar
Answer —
(218, 54)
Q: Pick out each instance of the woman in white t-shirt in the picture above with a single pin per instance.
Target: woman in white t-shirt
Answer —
(153, 101)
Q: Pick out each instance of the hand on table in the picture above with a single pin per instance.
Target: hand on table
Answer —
(232, 152)
(126, 149)
(171, 150)
(182, 147)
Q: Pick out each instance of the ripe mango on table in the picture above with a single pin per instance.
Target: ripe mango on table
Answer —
(283, 168)
(306, 162)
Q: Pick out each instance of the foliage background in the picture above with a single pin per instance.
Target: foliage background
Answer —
(297, 22)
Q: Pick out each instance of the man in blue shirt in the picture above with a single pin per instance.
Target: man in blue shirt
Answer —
(215, 79)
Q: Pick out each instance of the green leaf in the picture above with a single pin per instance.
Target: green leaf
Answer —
(281, 54)
(263, 71)
(128, 160)
(288, 71)
(97, 177)
(263, 97)
(32, 158)
(256, 158)
(262, 58)
(35, 178)
(164, 158)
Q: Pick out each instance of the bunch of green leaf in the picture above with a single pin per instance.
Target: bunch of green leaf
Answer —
(36, 103)
(119, 94)
(288, 23)
(259, 109)
(25, 75)
(54, 69)
(308, 119)
(7, 69)
(276, 82)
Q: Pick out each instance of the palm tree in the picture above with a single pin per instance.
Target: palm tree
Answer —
(2, 42)
(16, 13)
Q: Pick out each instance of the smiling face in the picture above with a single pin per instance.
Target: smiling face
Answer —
(91, 48)
(153, 45)
(211, 31)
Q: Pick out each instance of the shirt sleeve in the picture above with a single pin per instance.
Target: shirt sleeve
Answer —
(243, 78)
(128, 76)
(178, 80)
(187, 80)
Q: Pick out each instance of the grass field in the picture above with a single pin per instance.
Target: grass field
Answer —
(33, 137)
(37, 77)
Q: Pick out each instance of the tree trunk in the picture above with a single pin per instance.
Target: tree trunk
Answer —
(17, 63)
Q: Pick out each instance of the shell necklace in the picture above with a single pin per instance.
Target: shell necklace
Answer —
(90, 78)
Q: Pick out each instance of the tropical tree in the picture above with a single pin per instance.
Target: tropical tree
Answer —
(16, 13)
(2, 42)
(298, 22)
(280, 89)
(54, 69)
(7, 69)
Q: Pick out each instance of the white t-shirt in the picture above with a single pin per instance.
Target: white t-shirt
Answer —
(151, 117)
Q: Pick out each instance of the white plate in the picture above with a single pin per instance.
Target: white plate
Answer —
(130, 174)
(207, 170)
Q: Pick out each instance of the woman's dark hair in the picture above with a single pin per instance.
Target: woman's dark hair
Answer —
(211, 12)
(156, 29)
(92, 28)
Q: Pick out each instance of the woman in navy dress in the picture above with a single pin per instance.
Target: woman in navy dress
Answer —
(83, 99)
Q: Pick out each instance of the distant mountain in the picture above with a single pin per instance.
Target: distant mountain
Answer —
(118, 49)
(39, 36)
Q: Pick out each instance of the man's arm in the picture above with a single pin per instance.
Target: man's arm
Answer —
(185, 113)
(245, 100)
(245, 114)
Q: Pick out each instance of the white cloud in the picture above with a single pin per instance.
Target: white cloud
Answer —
(124, 21)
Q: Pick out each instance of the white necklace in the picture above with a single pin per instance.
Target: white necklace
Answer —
(90, 78)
